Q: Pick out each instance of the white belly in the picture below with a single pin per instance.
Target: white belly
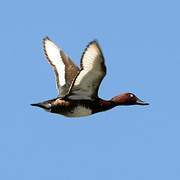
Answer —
(79, 111)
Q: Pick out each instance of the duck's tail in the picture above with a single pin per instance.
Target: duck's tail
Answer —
(44, 105)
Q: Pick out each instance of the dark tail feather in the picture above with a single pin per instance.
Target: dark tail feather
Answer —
(42, 105)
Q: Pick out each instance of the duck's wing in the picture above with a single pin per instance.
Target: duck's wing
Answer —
(65, 70)
(93, 70)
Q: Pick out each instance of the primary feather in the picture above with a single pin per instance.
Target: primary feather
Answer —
(65, 70)
(93, 70)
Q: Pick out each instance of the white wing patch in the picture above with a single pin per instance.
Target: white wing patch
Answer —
(53, 55)
(93, 70)
(89, 63)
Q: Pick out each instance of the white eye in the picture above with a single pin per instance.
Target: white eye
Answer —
(131, 95)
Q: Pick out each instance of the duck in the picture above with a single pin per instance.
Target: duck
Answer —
(78, 87)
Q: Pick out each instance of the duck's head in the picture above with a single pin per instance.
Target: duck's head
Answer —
(128, 99)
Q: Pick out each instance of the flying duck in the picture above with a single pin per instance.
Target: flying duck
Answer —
(78, 87)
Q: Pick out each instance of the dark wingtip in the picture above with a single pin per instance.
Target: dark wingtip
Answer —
(95, 40)
(46, 38)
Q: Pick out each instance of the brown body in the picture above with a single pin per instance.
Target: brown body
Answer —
(62, 106)
(77, 108)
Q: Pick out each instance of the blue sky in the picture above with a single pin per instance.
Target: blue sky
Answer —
(141, 44)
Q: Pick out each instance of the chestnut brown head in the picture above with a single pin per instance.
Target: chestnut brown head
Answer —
(127, 99)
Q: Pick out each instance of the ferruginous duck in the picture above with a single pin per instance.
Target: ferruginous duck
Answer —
(78, 87)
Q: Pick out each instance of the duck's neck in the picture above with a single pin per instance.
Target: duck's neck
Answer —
(103, 105)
